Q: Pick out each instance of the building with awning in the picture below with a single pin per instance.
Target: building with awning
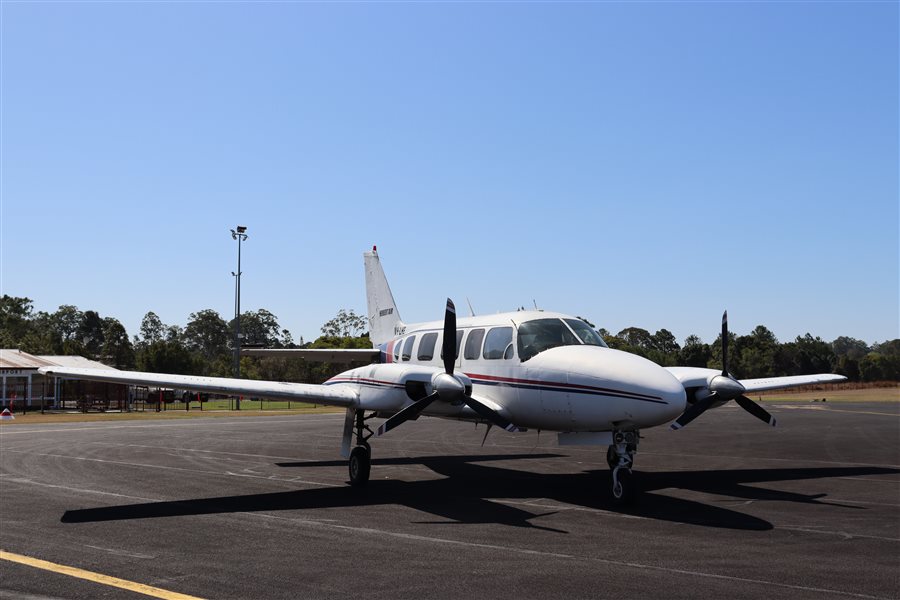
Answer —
(22, 384)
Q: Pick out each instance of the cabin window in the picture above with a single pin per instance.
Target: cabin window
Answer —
(473, 344)
(426, 346)
(543, 334)
(407, 347)
(397, 345)
(586, 333)
(497, 342)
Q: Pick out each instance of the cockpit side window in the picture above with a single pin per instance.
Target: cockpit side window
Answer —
(586, 333)
(543, 334)
(498, 340)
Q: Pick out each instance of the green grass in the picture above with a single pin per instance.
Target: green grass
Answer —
(245, 405)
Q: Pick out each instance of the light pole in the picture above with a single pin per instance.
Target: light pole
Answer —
(240, 236)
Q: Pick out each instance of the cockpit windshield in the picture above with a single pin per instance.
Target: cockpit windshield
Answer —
(543, 334)
(586, 333)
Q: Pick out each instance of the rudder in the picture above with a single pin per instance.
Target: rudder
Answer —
(384, 319)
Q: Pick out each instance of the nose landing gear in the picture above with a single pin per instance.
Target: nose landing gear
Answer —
(620, 458)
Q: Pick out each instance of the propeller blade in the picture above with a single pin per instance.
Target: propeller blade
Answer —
(725, 343)
(410, 412)
(755, 409)
(449, 343)
(489, 414)
(694, 411)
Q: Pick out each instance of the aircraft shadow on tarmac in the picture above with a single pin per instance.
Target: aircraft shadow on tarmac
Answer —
(464, 495)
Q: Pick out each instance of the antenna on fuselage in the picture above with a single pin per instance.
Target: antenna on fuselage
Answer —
(471, 310)
(535, 304)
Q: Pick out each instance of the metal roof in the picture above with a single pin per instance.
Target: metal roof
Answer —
(76, 361)
(16, 359)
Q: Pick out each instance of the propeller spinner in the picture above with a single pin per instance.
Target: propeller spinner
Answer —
(723, 388)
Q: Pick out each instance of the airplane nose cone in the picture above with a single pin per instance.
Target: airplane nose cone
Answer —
(641, 376)
(646, 393)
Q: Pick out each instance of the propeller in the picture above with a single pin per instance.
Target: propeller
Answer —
(446, 387)
(723, 388)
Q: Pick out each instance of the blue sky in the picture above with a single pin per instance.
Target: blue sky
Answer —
(639, 164)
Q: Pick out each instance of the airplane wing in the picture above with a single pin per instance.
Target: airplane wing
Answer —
(709, 388)
(696, 377)
(333, 395)
(337, 355)
(777, 383)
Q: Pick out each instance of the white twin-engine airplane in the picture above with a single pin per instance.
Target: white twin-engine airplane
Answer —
(519, 370)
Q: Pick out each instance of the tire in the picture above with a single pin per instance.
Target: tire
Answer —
(624, 489)
(359, 466)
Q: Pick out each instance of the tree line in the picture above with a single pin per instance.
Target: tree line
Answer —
(203, 346)
(760, 354)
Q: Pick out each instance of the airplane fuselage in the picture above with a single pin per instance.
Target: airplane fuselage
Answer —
(539, 369)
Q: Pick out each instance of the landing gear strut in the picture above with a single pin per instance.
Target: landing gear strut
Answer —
(620, 458)
(361, 457)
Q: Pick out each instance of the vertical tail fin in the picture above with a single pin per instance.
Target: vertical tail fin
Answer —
(383, 316)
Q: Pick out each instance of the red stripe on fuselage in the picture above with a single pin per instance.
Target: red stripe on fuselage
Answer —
(364, 380)
(574, 386)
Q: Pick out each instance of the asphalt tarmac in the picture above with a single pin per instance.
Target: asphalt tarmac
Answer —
(259, 508)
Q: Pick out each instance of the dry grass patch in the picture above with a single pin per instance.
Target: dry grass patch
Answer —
(873, 394)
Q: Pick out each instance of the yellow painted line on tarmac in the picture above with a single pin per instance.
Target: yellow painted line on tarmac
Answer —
(131, 586)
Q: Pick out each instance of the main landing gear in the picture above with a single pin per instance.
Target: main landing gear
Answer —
(361, 457)
(620, 458)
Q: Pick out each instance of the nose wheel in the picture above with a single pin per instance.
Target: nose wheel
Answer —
(623, 488)
(620, 458)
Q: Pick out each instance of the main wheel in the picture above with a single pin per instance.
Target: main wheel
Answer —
(623, 488)
(360, 465)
